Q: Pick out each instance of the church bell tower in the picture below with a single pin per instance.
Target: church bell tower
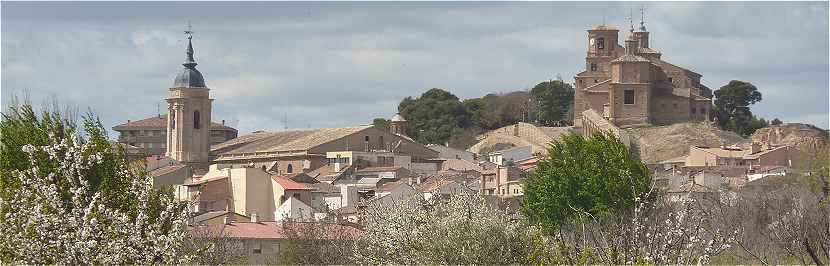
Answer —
(188, 117)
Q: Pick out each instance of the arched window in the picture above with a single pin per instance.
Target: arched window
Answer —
(172, 120)
(289, 169)
(196, 121)
(593, 66)
(601, 43)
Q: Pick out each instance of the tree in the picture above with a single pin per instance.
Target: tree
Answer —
(463, 229)
(776, 122)
(68, 199)
(732, 103)
(381, 123)
(554, 99)
(596, 175)
(433, 117)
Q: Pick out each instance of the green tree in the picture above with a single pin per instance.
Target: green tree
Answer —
(381, 123)
(597, 175)
(554, 99)
(435, 116)
(90, 205)
(732, 103)
(776, 122)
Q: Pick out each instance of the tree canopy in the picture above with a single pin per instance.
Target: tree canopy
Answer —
(596, 175)
(555, 99)
(732, 103)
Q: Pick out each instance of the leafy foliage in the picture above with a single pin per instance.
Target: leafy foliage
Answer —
(597, 176)
(461, 230)
(69, 199)
(439, 117)
(555, 99)
(732, 103)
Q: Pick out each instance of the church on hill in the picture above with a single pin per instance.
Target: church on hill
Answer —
(632, 85)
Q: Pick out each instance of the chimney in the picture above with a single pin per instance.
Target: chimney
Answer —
(254, 218)
(128, 121)
(223, 122)
(418, 180)
(228, 219)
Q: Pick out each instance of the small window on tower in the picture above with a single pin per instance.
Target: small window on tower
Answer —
(593, 66)
(196, 121)
(601, 43)
(289, 169)
(628, 97)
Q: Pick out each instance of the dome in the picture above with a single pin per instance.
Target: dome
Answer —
(189, 78)
(398, 118)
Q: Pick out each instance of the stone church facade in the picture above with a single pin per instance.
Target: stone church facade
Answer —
(631, 85)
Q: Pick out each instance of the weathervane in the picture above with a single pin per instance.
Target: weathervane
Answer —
(630, 19)
(642, 18)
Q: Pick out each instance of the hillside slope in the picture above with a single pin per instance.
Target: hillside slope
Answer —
(658, 143)
(802, 136)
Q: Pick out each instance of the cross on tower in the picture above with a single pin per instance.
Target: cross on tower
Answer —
(189, 31)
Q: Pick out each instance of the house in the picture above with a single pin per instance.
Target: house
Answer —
(289, 152)
(505, 181)
(754, 156)
(264, 241)
(150, 134)
(514, 154)
(295, 210)
(448, 183)
(246, 191)
(170, 175)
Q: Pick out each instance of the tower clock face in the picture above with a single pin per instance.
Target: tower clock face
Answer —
(592, 41)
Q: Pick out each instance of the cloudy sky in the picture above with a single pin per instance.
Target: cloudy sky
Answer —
(340, 64)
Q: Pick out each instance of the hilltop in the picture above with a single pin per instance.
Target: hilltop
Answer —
(657, 143)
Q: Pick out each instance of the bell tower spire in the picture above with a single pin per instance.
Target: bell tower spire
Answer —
(189, 113)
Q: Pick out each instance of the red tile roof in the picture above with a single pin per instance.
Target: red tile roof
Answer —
(166, 170)
(161, 121)
(283, 230)
(290, 184)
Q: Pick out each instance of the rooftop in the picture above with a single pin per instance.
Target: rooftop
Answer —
(296, 140)
(283, 230)
(159, 121)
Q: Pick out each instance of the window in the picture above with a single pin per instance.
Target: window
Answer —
(694, 110)
(263, 168)
(670, 80)
(258, 250)
(601, 43)
(289, 169)
(196, 121)
(593, 66)
(674, 105)
(628, 97)
(366, 138)
(172, 120)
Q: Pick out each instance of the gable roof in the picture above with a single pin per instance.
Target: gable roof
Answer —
(160, 122)
(296, 140)
(286, 183)
(166, 170)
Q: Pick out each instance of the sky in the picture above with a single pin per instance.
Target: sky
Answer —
(338, 64)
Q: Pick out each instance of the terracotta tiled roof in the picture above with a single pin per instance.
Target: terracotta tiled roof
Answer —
(297, 140)
(289, 184)
(166, 170)
(460, 165)
(389, 186)
(378, 169)
(160, 122)
(283, 230)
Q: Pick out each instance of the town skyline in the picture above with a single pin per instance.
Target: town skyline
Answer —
(356, 61)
